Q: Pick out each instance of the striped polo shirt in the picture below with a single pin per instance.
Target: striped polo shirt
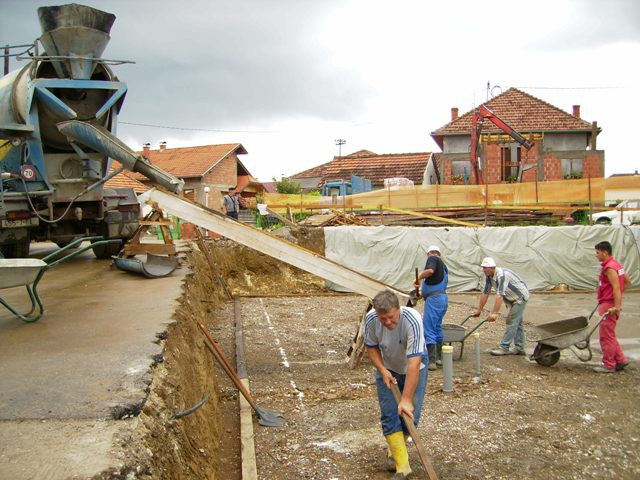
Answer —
(397, 345)
(508, 285)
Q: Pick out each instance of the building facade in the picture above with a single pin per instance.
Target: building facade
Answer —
(563, 144)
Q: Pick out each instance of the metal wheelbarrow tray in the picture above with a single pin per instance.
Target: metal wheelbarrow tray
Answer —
(458, 333)
(27, 272)
(573, 333)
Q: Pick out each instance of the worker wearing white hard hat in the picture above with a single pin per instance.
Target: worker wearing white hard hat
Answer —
(513, 292)
(433, 282)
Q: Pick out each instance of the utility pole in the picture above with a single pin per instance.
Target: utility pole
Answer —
(339, 143)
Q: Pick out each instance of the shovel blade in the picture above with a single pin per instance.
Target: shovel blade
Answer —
(269, 418)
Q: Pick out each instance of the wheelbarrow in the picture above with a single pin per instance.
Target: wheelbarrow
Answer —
(573, 333)
(27, 272)
(458, 333)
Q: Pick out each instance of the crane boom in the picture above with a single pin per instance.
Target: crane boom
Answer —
(484, 113)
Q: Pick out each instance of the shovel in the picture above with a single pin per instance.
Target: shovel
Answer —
(266, 417)
(413, 431)
(414, 295)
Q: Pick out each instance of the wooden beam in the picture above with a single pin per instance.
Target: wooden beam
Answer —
(271, 245)
(433, 217)
(284, 220)
(156, 248)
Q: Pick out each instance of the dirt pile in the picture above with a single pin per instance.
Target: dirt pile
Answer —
(248, 272)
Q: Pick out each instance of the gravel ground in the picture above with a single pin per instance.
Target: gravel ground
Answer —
(517, 419)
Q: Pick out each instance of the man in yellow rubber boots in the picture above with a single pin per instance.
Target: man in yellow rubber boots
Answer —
(395, 344)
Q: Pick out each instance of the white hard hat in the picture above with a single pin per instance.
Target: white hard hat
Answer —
(433, 248)
(488, 262)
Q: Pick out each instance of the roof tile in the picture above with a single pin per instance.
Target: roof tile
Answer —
(522, 112)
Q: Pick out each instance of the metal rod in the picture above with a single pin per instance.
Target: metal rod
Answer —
(476, 338)
(447, 369)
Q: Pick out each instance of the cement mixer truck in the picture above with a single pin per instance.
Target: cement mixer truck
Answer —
(58, 115)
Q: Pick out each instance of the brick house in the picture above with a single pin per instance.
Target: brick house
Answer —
(366, 164)
(214, 166)
(564, 145)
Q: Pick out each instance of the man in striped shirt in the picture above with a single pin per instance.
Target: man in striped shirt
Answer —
(512, 291)
(394, 339)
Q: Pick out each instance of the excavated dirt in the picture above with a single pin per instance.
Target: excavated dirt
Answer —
(517, 420)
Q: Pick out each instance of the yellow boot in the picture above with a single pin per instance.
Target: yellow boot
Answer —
(399, 452)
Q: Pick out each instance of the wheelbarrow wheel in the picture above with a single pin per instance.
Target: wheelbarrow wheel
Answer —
(546, 355)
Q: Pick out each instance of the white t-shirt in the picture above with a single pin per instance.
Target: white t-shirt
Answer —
(397, 345)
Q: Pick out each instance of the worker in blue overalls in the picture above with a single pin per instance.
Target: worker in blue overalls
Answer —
(435, 279)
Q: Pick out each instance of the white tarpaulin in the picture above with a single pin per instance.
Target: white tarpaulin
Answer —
(543, 256)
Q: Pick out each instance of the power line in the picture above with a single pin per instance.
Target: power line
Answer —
(170, 127)
(572, 88)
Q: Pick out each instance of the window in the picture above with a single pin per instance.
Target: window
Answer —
(510, 157)
(571, 167)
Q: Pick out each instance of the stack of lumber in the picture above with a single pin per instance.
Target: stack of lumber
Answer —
(334, 219)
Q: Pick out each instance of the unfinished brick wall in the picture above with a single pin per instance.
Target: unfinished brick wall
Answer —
(591, 166)
(446, 171)
(551, 167)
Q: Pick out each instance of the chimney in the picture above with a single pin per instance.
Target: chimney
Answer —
(454, 113)
(576, 111)
(163, 146)
(146, 148)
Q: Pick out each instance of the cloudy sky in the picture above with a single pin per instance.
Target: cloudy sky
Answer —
(286, 78)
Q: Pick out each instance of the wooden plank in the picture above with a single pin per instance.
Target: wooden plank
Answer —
(433, 217)
(247, 444)
(168, 223)
(284, 220)
(271, 245)
(314, 206)
(156, 248)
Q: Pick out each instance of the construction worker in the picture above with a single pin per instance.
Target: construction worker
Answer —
(511, 290)
(612, 282)
(395, 344)
(232, 204)
(435, 279)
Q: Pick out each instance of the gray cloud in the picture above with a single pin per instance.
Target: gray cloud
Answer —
(218, 63)
(593, 23)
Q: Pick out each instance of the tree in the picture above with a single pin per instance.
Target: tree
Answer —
(287, 185)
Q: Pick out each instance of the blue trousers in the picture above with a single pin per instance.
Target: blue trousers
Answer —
(435, 308)
(389, 418)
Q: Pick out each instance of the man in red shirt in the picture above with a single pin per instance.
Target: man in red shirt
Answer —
(612, 282)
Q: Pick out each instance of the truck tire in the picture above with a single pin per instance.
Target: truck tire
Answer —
(107, 251)
(19, 249)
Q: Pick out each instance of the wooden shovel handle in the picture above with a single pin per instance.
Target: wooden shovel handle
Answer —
(226, 366)
(413, 431)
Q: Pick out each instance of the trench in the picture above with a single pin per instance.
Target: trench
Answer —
(206, 443)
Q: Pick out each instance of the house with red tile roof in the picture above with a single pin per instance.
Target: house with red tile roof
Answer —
(209, 171)
(564, 145)
(368, 165)
(125, 180)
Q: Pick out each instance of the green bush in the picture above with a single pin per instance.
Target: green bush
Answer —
(287, 185)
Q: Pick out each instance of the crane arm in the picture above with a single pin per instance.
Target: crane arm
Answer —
(482, 113)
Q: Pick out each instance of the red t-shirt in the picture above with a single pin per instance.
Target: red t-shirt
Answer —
(605, 290)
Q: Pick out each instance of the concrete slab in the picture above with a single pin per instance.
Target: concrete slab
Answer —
(92, 350)
(33, 448)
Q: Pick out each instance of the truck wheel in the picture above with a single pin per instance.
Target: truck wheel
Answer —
(106, 251)
(19, 249)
